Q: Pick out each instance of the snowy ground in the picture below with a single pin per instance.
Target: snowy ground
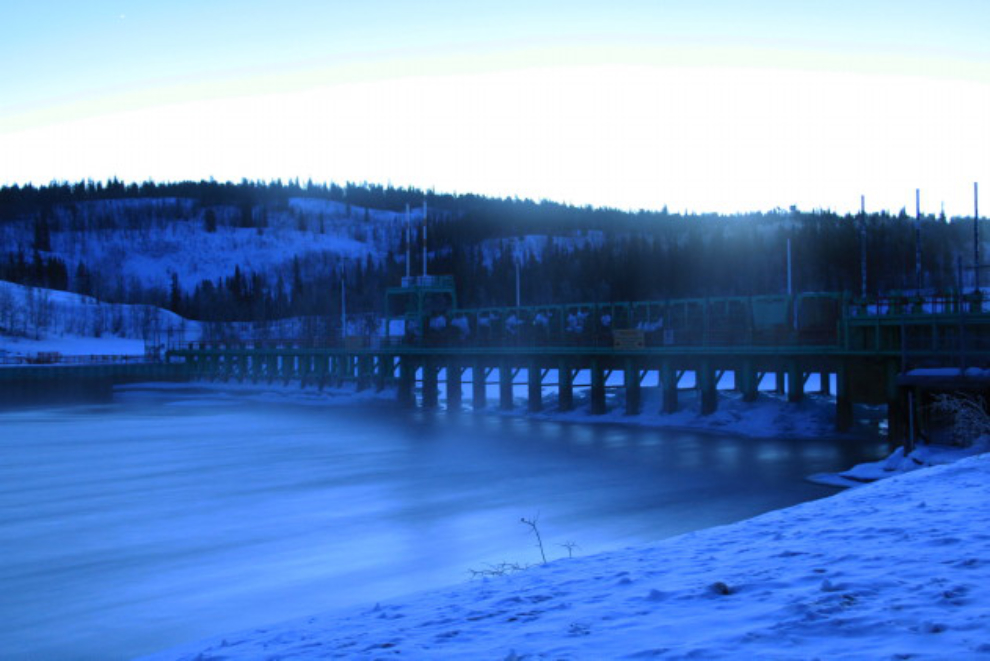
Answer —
(108, 345)
(900, 461)
(895, 569)
(36, 320)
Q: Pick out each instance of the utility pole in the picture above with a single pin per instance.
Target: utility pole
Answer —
(408, 246)
(862, 246)
(976, 236)
(518, 297)
(790, 289)
(343, 305)
(424, 240)
(917, 239)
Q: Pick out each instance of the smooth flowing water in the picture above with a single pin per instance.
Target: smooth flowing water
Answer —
(170, 516)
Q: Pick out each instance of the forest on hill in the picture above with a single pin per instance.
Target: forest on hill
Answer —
(253, 251)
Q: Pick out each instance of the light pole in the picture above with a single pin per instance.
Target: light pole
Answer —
(790, 288)
(408, 246)
(343, 305)
(516, 258)
(917, 239)
(862, 246)
(976, 236)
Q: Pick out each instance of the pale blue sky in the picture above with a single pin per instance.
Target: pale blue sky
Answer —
(703, 105)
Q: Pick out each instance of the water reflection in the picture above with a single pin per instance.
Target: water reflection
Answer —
(131, 527)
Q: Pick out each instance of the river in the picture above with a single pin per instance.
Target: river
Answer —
(168, 516)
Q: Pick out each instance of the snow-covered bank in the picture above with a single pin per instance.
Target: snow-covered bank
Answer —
(770, 416)
(900, 462)
(896, 569)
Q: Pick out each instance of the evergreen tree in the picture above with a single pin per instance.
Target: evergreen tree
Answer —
(175, 295)
(83, 282)
(210, 221)
(42, 233)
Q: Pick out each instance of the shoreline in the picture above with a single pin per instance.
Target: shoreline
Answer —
(813, 411)
(474, 618)
(822, 588)
(808, 419)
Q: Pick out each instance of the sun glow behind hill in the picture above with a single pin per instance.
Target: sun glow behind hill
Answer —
(637, 107)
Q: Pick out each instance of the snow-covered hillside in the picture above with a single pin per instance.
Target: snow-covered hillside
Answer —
(126, 244)
(34, 320)
(145, 241)
(894, 570)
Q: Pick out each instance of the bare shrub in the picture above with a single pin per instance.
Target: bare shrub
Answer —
(969, 416)
(536, 531)
(503, 568)
(500, 569)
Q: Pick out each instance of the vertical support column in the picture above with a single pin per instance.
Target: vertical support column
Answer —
(505, 385)
(707, 388)
(597, 388)
(897, 413)
(384, 371)
(897, 410)
(305, 369)
(923, 413)
(843, 398)
(479, 386)
(431, 391)
(780, 382)
(256, 361)
(364, 372)
(668, 387)
(748, 381)
(565, 385)
(407, 381)
(913, 419)
(633, 393)
(322, 368)
(534, 381)
(288, 363)
(454, 373)
(795, 382)
(825, 379)
(272, 370)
